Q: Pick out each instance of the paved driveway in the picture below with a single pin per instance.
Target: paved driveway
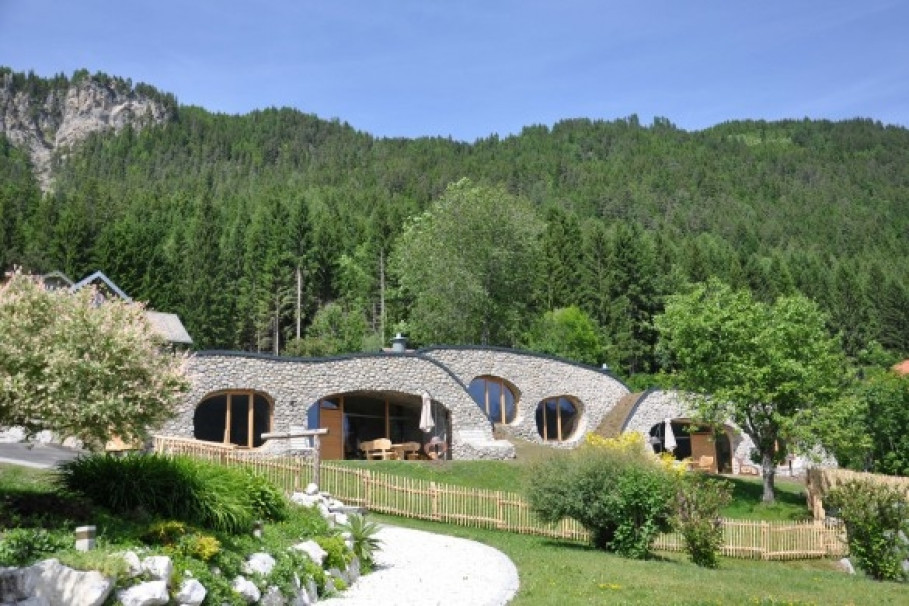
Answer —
(35, 455)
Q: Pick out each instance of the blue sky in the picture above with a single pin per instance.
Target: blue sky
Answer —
(471, 68)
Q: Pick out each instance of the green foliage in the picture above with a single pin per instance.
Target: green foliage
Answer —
(22, 546)
(177, 488)
(886, 404)
(339, 556)
(567, 332)
(268, 501)
(165, 532)
(697, 517)
(335, 329)
(365, 543)
(200, 546)
(465, 266)
(622, 498)
(761, 365)
(80, 368)
(877, 526)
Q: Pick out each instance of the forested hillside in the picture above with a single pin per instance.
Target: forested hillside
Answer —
(211, 216)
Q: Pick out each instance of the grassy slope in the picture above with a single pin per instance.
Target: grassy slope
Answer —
(553, 572)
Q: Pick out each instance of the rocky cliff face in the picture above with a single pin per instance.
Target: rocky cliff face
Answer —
(66, 116)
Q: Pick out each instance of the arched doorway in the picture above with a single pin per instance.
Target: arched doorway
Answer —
(694, 441)
(361, 416)
(233, 417)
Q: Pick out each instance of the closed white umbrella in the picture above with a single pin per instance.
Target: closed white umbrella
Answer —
(669, 437)
(426, 422)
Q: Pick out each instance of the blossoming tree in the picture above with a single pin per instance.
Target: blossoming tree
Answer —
(80, 368)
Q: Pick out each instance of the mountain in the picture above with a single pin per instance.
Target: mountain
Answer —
(47, 117)
(210, 215)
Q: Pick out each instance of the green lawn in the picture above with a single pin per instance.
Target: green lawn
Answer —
(561, 573)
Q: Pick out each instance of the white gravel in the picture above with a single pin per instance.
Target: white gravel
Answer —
(417, 568)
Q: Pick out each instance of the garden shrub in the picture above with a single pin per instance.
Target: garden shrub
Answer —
(268, 502)
(614, 488)
(697, 516)
(165, 532)
(178, 488)
(877, 526)
(363, 536)
(338, 554)
(22, 546)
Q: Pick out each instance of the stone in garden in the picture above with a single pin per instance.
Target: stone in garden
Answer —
(33, 601)
(311, 489)
(305, 500)
(135, 565)
(313, 550)
(273, 597)
(261, 563)
(150, 593)
(247, 590)
(846, 566)
(191, 593)
(60, 584)
(159, 567)
(340, 519)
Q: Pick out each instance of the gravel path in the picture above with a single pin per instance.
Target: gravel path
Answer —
(417, 568)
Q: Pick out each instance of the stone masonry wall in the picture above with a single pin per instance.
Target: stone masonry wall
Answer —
(537, 377)
(294, 384)
(657, 406)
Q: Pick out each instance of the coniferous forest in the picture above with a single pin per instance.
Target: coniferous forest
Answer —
(222, 219)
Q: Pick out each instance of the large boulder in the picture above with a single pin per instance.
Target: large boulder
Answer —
(150, 593)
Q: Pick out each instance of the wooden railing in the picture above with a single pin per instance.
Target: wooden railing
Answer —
(497, 509)
(820, 481)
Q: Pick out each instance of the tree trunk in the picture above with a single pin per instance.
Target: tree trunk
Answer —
(769, 472)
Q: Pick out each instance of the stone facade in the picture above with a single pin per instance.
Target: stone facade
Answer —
(535, 378)
(656, 406)
(293, 384)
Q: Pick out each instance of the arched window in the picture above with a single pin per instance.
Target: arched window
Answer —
(557, 418)
(233, 417)
(495, 397)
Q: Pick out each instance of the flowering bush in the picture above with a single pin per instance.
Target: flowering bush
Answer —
(81, 368)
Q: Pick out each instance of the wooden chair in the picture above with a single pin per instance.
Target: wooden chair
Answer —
(411, 451)
(381, 450)
(366, 447)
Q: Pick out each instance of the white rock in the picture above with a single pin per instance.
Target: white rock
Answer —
(261, 563)
(34, 601)
(846, 565)
(273, 597)
(313, 550)
(340, 519)
(311, 489)
(191, 593)
(151, 593)
(334, 504)
(247, 590)
(159, 567)
(132, 560)
(62, 585)
(306, 500)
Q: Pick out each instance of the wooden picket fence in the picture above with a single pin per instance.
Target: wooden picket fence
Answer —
(820, 481)
(497, 509)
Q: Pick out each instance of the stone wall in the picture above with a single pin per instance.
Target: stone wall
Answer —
(293, 384)
(536, 378)
(656, 406)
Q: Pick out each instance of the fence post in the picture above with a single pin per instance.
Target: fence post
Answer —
(316, 461)
(765, 539)
(434, 499)
(367, 484)
(500, 511)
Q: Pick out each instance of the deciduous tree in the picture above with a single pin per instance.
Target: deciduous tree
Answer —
(759, 364)
(81, 368)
